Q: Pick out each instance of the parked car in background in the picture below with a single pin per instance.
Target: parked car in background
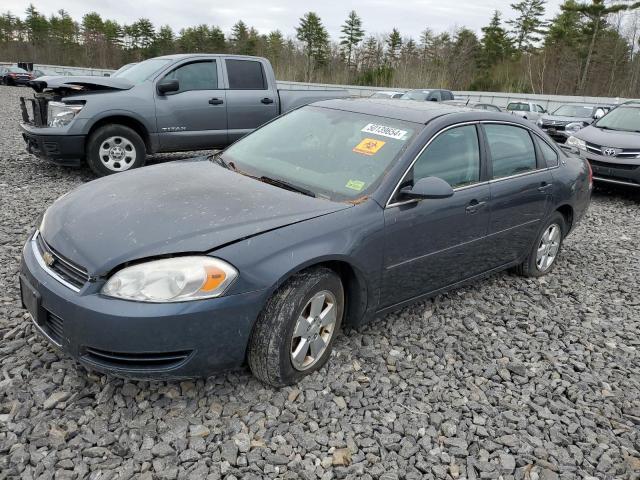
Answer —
(527, 110)
(164, 104)
(428, 95)
(333, 214)
(477, 106)
(386, 94)
(14, 76)
(488, 106)
(612, 145)
(568, 119)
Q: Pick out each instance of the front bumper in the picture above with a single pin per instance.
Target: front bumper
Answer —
(559, 136)
(66, 150)
(135, 339)
(614, 170)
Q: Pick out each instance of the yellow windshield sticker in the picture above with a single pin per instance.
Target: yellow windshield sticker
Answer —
(355, 184)
(369, 146)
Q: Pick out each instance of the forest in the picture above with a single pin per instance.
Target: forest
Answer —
(587, 48)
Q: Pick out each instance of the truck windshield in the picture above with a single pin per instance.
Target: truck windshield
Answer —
(139, 72)
(578, 111)
(622, 118)
(332, 153)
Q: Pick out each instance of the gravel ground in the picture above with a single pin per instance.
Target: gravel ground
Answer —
(510, 378)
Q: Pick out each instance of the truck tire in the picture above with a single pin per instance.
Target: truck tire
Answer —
(544, 252)
(115, 148)
(294, 334)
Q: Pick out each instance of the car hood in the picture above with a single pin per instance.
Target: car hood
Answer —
(609, 138)
(563, 119)
(178, 207)
(79, 83)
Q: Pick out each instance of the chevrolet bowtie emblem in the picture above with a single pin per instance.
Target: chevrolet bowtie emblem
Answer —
(48, 258)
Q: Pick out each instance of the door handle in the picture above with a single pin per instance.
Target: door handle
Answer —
(267, 100)
(545, 187)
(216, 101)
(474, 206)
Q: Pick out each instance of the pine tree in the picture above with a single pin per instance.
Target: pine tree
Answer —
(315, 40)
(529, 24)
(239, 37)
(352, 35)
(393, 43)
(164, 42)
(496, 45)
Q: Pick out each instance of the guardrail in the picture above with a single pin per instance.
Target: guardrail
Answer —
(549, 102)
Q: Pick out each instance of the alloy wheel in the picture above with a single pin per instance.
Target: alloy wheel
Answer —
(548, 247)
(313, 330)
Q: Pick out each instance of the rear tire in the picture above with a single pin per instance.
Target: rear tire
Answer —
(115, 148)
(546, 249)
(290, 328)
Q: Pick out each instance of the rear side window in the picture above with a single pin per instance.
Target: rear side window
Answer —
(246, 75)
(447, 95)
(549, 155)
(511, 149)
(453, 156)
(196, 76)
(435, 95)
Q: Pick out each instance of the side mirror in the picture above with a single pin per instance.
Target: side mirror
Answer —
(428, 188)
(167, 86)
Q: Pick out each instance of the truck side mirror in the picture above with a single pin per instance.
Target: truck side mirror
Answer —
(167, 86)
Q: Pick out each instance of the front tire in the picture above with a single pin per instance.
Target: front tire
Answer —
(294, 334)
(115, 148)
(544, 253)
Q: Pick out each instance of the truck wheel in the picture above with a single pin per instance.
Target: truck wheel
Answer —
(294, 334)
(545, 250)
(115, 148)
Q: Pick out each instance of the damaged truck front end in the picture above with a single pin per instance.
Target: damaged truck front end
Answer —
(49, 113)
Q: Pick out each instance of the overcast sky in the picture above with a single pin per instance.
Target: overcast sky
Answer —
(379, 16)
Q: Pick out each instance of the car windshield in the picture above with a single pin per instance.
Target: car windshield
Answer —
(518, 107)
(420, 95)
(122, 69)
(579, 111)
(332, 153)
(139, 72)
(622, 118)
(17, 70)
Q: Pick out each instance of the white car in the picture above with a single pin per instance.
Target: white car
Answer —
(529, 110)
(387, 94)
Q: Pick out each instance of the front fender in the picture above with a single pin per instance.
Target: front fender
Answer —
(354, 236)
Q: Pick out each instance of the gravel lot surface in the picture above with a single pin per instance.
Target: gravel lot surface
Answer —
(510, 378)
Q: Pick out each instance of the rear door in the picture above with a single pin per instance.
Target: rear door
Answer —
(250, 101)
(195, 116)
(430, 244)
(521, 188)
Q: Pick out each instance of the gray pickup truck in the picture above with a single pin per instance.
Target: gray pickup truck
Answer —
(165, 104)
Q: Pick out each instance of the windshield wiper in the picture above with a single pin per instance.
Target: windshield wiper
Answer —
(286, 185)
(217, 158)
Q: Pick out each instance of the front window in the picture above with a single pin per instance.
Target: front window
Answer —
(420, 95)
(140, 72)
(626, 119)
(577, 111)
(195, 76)
(332, 153)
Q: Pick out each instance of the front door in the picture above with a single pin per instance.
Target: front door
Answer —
(430, 244)
(521, 190)
(194, 117)
(250, 101)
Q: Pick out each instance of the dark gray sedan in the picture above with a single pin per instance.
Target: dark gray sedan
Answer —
(330, 215)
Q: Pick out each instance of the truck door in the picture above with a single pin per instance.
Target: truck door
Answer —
(195, 116)
(250, 101)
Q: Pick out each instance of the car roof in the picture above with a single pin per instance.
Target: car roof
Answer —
(408, 110)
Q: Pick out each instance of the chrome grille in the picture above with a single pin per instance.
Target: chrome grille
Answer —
(620, 152)
(67, 272)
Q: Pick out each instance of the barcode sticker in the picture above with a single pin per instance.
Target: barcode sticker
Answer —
(385, 131)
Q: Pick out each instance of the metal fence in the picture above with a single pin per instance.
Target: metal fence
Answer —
(549, 102)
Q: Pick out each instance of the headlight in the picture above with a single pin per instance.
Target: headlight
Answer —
(574, 127)
(60, 114)
(176, 279)
(576, 142)
(539, 122)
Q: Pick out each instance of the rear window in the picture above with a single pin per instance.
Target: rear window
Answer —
(512, 150)
(245, 75)
(518, 107)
